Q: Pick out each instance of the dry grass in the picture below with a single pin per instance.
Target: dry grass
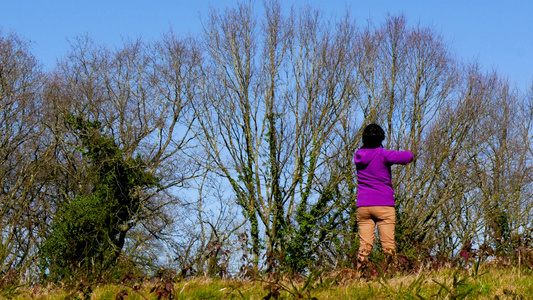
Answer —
(483, 283)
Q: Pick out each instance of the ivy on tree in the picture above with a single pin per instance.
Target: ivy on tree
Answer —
(89, 232)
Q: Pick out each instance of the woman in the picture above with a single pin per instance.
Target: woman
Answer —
(375, 195)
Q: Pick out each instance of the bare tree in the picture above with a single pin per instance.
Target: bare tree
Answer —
(22, 157)
(271, 118)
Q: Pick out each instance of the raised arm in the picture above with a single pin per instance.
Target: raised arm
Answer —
(398, 157)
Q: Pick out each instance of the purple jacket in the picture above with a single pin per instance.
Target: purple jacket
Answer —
(374, 186)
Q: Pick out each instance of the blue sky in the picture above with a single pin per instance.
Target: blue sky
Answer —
(498, 34)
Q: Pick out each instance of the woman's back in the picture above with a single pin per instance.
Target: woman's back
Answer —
(374, 175)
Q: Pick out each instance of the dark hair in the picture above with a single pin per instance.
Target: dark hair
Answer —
(373, 135)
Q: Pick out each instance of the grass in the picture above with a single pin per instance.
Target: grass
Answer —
(483, 282)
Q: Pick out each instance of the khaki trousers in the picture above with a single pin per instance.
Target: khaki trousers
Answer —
(367, 218)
